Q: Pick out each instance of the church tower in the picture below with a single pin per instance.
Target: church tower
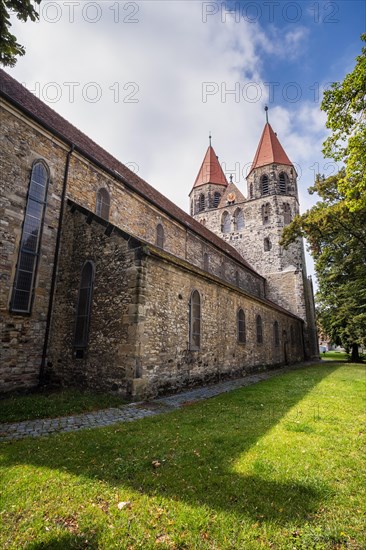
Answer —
(254, 226)
(209, 186)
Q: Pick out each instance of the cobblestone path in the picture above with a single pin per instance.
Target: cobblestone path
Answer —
(128, 413)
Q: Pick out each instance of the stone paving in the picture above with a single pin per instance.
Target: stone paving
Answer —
(128, 413)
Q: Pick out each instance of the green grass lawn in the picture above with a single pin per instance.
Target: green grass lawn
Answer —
(334, 356)
(275, 465)
(49, 404)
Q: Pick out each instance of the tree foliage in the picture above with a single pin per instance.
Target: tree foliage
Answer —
(345, 105)
(335, 227)
(9, 47)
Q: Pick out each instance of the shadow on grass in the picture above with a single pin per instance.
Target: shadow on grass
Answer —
(197, 448)
(64, 541)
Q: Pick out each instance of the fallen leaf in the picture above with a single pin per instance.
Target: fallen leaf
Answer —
(122, 505)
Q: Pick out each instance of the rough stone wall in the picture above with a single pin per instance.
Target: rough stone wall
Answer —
(166, 361)
(22, 336)
(109, 361)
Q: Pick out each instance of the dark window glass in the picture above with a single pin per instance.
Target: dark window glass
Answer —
(238, 219)
(267, 244)
(241, 326)
(160, 236)
(264, 185)
(216, 200)
(195, 321)
(30, 241)
(84, 306)
(103, 204)
(201, 202)
(225, 223)
(259, 329)
(282, 183)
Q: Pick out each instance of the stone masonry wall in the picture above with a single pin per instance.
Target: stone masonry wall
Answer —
(22, 336)
(166, 361)
(109, 360)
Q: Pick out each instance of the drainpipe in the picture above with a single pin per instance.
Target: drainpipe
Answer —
(55, 267)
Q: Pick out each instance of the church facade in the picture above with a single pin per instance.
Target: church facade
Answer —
(106, 284)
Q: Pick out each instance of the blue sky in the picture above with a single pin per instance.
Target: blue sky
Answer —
(148, 80)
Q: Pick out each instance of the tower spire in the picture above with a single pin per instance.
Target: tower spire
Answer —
(209, 137)
(266, 109)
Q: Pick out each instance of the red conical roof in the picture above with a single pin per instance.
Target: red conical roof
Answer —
(210, 171)
(269, 151)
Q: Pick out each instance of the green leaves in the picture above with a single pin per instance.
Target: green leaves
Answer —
(10, 49)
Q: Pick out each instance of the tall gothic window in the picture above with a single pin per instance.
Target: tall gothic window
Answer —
(266, 213)
(267, 245)
(225, 223)
(259, 327)
(84, 306)
(201, 202)
(241, 327)
(286, 214)
(276, 333)
(205, 261)
(103, 203)
(264, 185)
(195, 321)
(282, 182)
(216, 200)
(29, 252)
(238, 219)
(160, 236)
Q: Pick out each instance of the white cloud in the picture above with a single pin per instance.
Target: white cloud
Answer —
(163, 61)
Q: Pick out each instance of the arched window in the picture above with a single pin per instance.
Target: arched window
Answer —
(216, 200)
(203, 221)
(160, 236)
(83, 310)
(195, 321)
(259, 327)
(276, 333)
(225, 223)
(205, 261)
(251, 191)
(266, 213)
(103, 203)
(264, 185)
(238, 219)
(201, 202)
(29, 252)
(241, 327)
(286, 214)
(283, 182)
(267, 245)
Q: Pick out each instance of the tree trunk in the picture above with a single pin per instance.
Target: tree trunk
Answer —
(355, 358)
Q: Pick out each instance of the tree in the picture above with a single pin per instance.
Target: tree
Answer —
(345, 105)
(336, 226)
(9, 47)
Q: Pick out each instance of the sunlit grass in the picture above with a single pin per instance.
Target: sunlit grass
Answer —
(275, 465)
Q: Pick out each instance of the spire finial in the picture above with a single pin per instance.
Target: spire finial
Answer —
(209, 137)
(266, 109)
(231, 178)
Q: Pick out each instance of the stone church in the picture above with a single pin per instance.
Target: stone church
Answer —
(106, 284)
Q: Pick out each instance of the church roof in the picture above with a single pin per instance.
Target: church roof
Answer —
(232, 194)
(210, 171)
(270, 150)
(16, 94)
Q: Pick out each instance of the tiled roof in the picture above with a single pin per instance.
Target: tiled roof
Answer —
(210, 171)
(231, 191)
(18, 95)
(269, 151)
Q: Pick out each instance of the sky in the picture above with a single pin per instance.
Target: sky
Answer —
(149, 80)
